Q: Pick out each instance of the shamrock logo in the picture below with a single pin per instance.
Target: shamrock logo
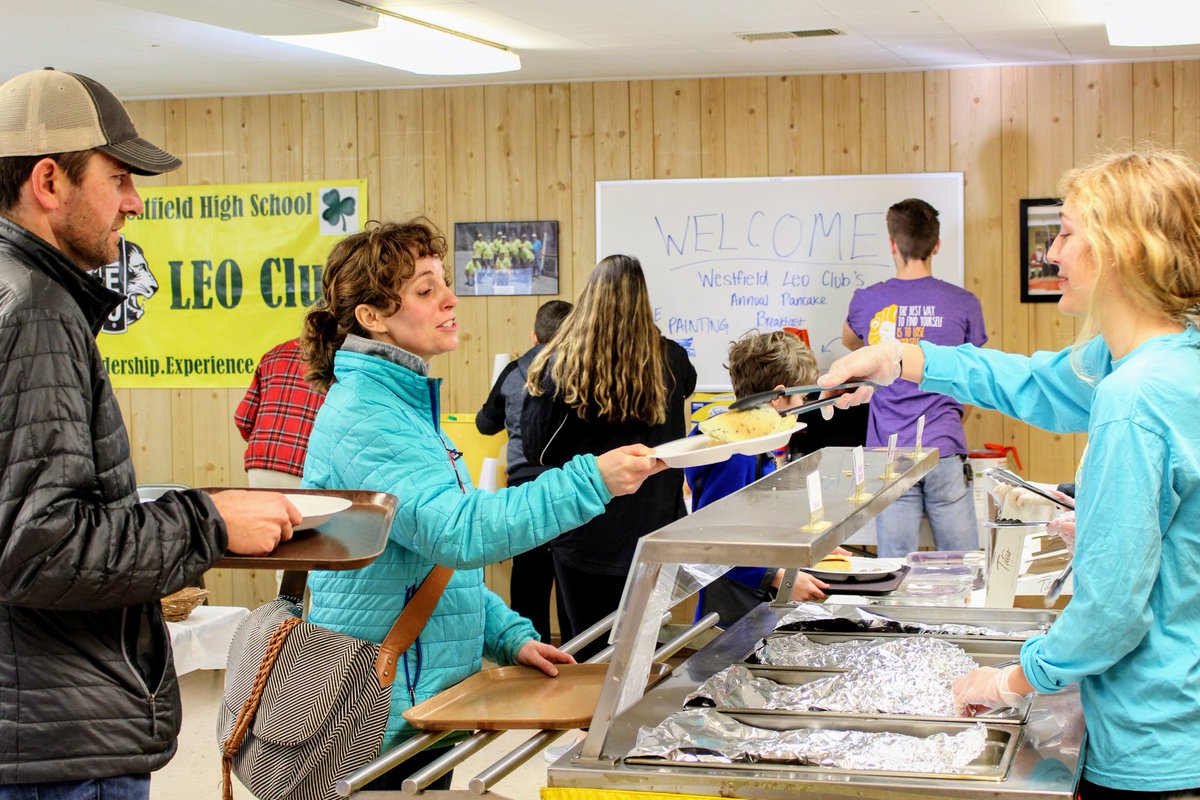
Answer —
(337, 208)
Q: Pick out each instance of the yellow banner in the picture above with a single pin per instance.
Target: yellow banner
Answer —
(214, 276)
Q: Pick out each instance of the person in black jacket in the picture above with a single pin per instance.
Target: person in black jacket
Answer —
(532, 571)
(89, 704)
(608, 378)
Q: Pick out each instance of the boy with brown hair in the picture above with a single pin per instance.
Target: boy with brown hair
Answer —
(758, 362)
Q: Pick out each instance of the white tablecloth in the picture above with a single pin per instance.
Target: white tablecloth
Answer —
(202, 640)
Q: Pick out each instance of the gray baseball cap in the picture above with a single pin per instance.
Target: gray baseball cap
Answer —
(46, 111)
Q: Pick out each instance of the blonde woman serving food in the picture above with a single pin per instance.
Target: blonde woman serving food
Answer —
(1129, 256)
(386, 311)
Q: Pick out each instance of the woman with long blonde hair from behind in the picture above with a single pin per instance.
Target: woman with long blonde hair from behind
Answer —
(608, 378)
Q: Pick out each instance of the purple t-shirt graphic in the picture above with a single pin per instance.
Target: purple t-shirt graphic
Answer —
(924, 309)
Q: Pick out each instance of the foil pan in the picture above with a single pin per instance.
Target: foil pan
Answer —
(711, 738)
(884, 676)
(831, 694)
(938, 658)
(890, 691)
(820, 618)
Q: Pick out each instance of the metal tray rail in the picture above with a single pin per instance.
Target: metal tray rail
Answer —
(992, 765)
(999, 618)
(981, 645)
(1015, 629)
(986, 653)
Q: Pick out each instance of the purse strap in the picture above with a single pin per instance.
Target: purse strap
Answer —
(250, 708)
(408, 625)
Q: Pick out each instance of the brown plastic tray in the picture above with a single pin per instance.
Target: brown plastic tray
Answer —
(350, 539)
(510, 698)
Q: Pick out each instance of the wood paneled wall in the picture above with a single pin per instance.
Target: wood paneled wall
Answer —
(536, 151)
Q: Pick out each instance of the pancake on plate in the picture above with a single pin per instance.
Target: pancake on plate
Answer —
(737, 426)
(833, 563)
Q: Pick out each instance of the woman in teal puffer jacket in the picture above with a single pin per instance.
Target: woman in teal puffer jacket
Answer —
(386, 310)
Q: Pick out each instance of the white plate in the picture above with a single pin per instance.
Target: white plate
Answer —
(316, 508)
(694, 451)
(859, 568)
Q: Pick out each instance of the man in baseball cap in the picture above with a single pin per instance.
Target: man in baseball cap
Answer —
(47, 111)
(90, 703)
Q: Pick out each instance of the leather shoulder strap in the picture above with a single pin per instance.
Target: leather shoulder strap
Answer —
(408, 625)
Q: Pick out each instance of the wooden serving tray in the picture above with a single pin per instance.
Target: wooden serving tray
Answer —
(512, 698)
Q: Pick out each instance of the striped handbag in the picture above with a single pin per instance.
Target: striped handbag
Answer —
(304, 706)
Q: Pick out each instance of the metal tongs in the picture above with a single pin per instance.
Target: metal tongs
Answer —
(762, 398)
(1004, 476)
(1001, 475)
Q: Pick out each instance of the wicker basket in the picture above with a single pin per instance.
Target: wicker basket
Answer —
(177, 606)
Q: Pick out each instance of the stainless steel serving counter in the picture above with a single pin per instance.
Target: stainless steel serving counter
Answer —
(768, 522)
(1045, 765)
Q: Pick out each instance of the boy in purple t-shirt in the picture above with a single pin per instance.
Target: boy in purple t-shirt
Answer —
(911, 307)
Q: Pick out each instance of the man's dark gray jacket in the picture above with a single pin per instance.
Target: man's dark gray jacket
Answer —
(87, 688)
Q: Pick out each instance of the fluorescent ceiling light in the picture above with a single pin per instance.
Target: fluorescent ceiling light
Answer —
(414, 46)
(1152, 23)
(265, 17)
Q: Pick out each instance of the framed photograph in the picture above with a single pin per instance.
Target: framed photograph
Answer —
(1039, 225)
(499, 258)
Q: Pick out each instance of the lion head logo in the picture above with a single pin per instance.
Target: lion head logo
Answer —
(131, 276)
(883, 325)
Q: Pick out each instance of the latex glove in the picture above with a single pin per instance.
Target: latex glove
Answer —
(986, 687)
(1020, 504)
(878, 363)
(1064, 528)
(543, 656)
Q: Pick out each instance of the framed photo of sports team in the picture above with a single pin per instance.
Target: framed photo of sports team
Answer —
(1040, 282)
(506, 258)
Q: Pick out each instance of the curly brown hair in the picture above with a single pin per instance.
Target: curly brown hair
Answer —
(369, 267)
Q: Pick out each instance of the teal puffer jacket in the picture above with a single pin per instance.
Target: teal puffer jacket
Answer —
(379, 429)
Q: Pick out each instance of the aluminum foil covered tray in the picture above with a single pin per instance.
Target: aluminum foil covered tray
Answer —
(714, 739)
(906, 677)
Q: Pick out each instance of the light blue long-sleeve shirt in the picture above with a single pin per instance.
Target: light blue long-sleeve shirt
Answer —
(1131, 633)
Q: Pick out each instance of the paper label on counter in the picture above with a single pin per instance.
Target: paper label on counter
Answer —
(891, 456)
(813, 481)
(860, 469)
(920, 433)
(1007, 548)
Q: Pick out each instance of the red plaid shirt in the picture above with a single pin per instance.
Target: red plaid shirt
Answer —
(277, 413)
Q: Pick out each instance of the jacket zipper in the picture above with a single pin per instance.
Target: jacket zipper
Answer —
(410, 681)
(151, 696)
(454, 455)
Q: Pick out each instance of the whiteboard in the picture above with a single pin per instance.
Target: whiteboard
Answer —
(726, 256)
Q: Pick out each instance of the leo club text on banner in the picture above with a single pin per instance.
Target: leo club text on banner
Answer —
(216, 275)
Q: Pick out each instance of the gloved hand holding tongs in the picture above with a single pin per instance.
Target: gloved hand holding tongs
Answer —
(764, 398)
(874, 366)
